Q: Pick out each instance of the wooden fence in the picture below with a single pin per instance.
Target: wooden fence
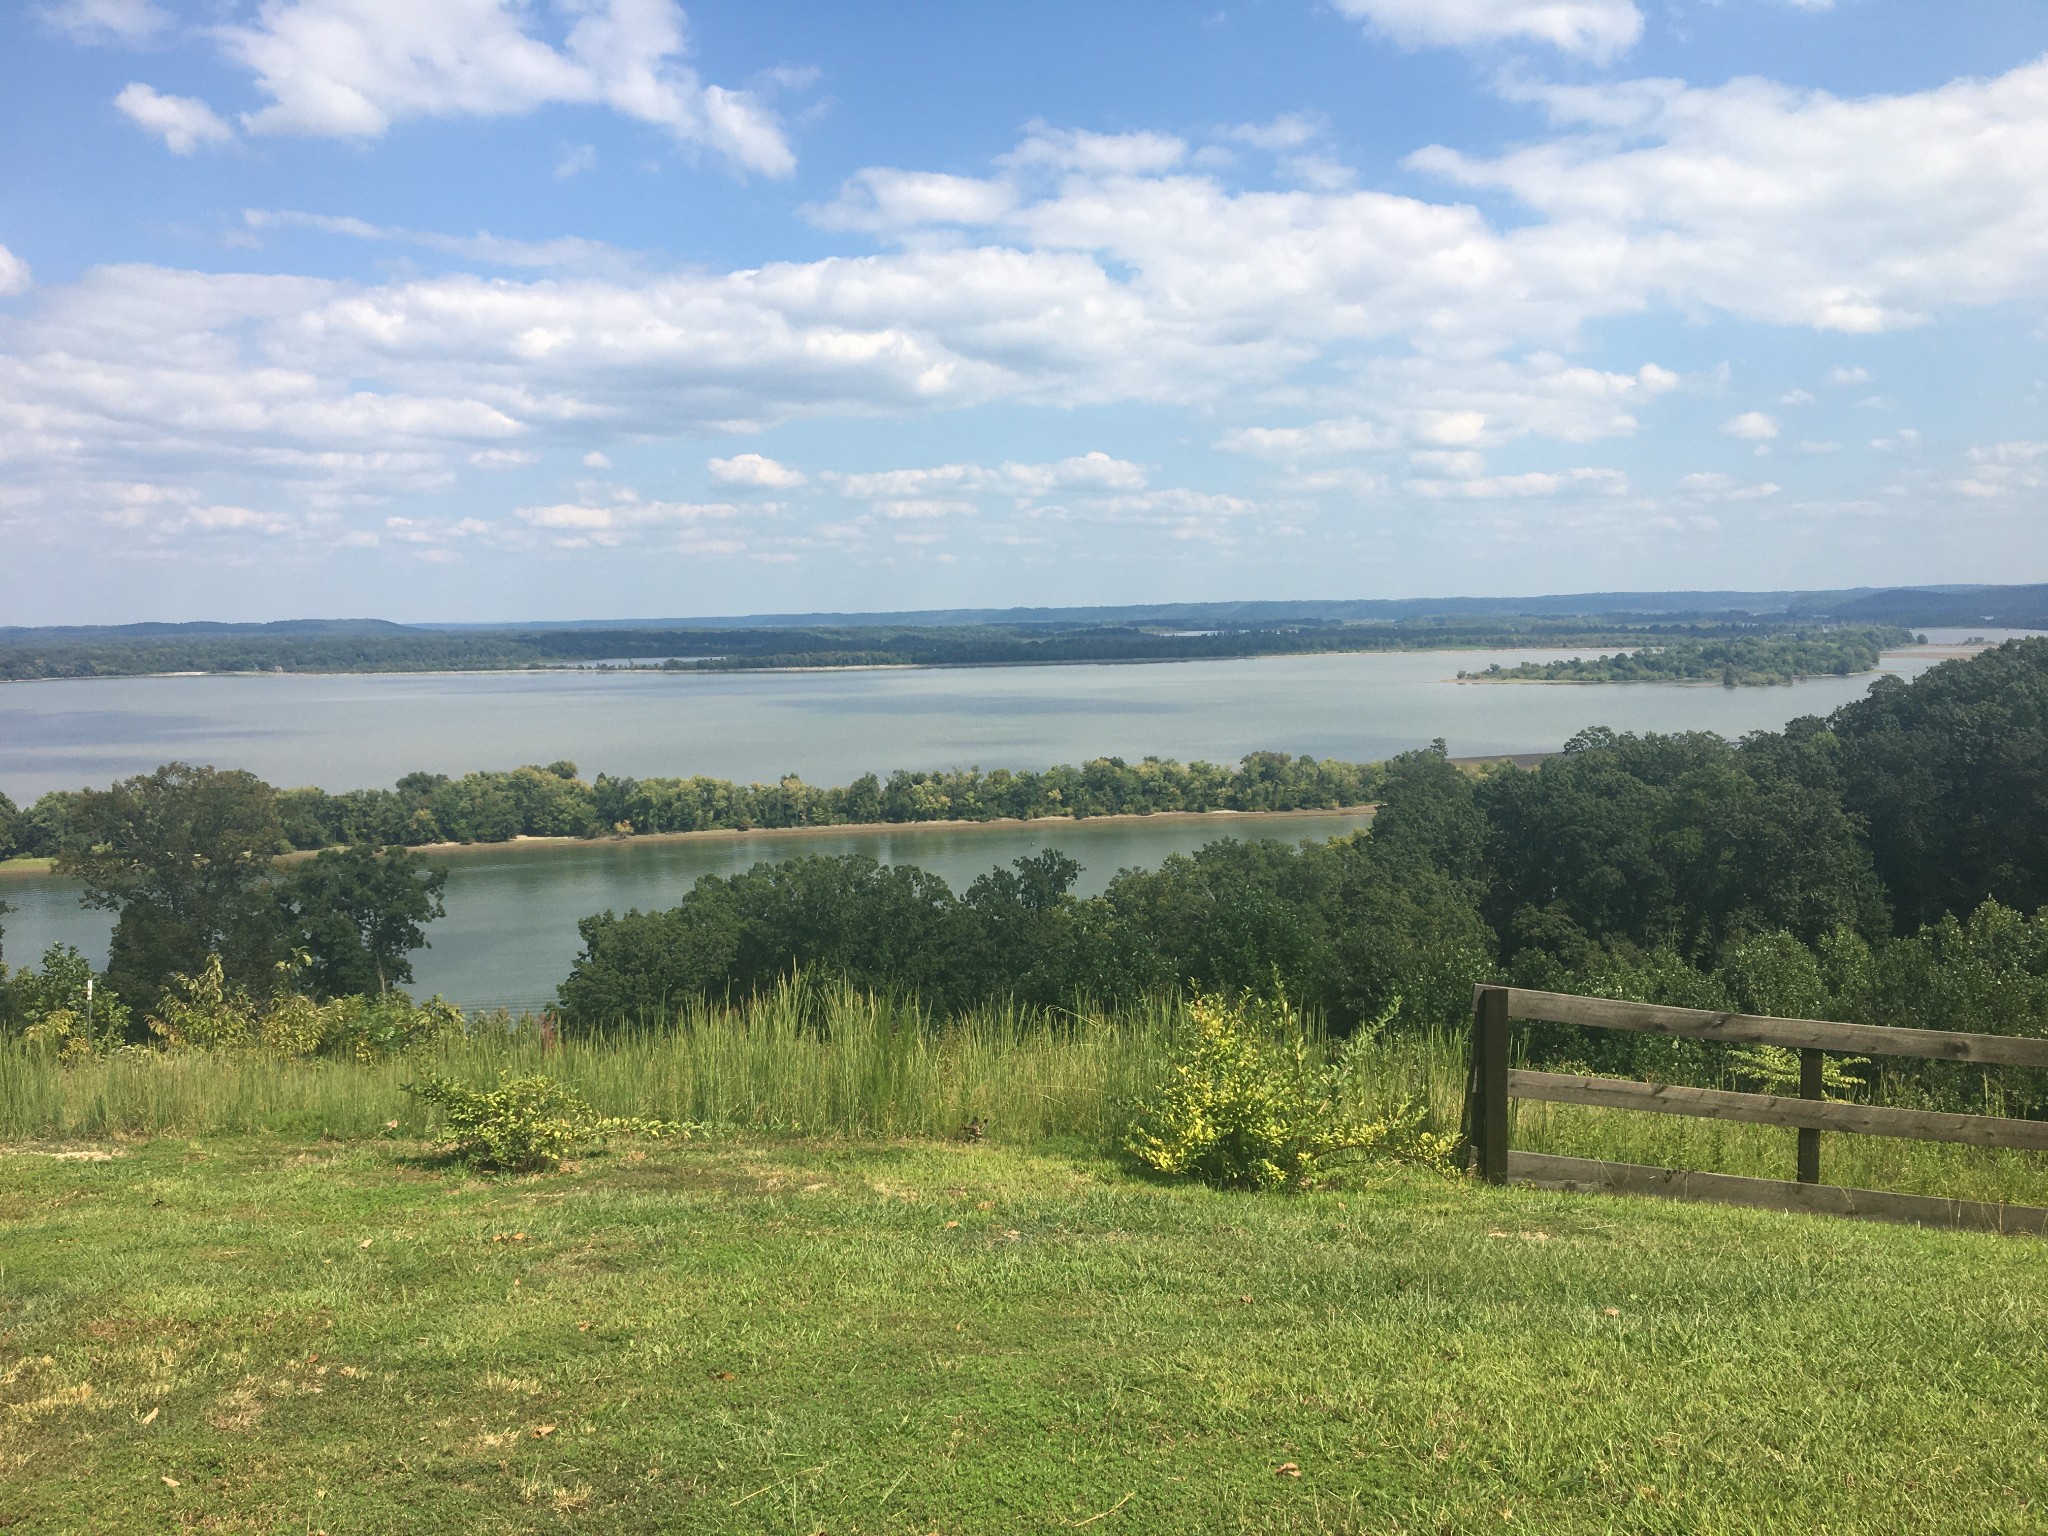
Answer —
(1493, 1083)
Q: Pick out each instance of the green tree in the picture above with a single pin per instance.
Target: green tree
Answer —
(1949, 774)
(10, 821)
(183, 856)
(358, 915)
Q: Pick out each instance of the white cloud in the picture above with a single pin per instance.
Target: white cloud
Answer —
(1462, 402)
(755, 471)
(1606, 482)
(1711, 486)
(503, 458)
(1848, 375)
(596, 460)
(1097, 154)
(128, 22)
(352, 68)
(879, 199)
(1796, 397)
(1797, 207)
(183, 122)
(14, 274)
(1290, 131)
(1751, 427)
(2005, 469)
(622, 517)
(576, 161)
(1597, 29)
(947, 484)
(483, 247)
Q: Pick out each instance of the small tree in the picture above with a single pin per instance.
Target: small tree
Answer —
(358, 914)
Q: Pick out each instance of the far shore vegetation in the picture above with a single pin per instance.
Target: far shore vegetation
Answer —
(249, 650)
(552, 801)
(1737, 661)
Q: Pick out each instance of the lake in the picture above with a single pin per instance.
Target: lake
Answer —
(509, 935)
(359, 732)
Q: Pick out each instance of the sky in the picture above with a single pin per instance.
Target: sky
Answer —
(551, 309)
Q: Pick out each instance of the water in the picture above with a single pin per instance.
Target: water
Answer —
(357, 732)
(510, 933)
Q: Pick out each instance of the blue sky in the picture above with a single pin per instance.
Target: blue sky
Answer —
(481, 309)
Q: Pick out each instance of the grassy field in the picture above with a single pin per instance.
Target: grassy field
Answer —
(257, 1335)
(807, 1062)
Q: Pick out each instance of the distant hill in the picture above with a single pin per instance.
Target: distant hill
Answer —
(68, 634)
(2002, 607)
(1940, 607)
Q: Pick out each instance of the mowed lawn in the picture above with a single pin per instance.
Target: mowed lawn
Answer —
(252, 1335)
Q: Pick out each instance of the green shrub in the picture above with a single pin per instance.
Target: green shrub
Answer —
(1246, 1103)
(525, 1124)
(51, 1006)
(207, 1012)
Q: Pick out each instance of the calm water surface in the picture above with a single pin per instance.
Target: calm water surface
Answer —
(509, 935)
(357, 732)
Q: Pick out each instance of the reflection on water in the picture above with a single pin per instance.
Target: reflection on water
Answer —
(510, 933)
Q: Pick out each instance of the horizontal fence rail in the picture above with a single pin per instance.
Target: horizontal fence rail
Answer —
(1493, 1084)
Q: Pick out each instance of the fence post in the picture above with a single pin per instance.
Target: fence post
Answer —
(1810, 1087)
(1490, 1082)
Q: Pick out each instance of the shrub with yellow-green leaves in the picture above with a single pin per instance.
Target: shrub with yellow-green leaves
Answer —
(1249, 1101)
(206, 1012)
(525, 1124)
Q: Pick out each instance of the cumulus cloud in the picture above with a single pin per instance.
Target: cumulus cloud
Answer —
(944, 484)
(1712, 486)
(621, 516)
(755, 471)
(1604, 482)
(1462, 403)
(126, 22)
(2001, 470)
(352, 68)
(182, 122)
(1793, 206)
(14, 274)
(1596, 29)
(1751, 427)
(1082, 270)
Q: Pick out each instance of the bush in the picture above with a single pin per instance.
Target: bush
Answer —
(1246, 1105)
(51, 1006)
(207, 1012)
(525, 1124)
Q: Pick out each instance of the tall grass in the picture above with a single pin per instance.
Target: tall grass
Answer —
(806, 1060)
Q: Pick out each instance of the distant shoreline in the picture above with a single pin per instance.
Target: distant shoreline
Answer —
(18, 868)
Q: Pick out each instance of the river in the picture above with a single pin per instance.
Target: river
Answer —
(509, 935)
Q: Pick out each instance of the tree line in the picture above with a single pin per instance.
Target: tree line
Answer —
(1887, 864)
(553, 801)
(1740, 661)
(362, 647)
